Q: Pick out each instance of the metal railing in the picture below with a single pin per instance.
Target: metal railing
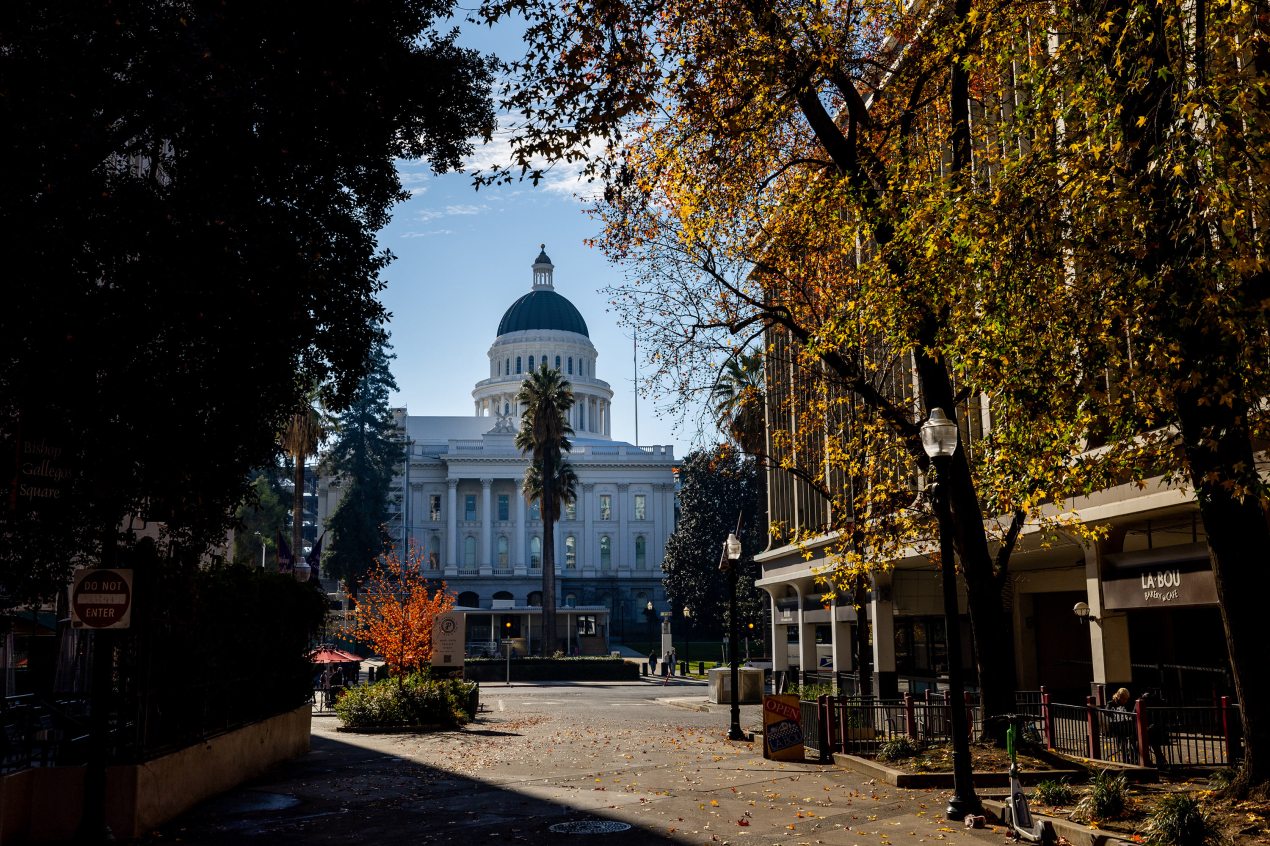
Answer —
(860, 725)
(34, 733)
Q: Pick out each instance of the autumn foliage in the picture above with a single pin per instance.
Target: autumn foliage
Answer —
(394, 610)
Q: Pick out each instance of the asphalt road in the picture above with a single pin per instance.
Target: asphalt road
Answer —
(651, 759)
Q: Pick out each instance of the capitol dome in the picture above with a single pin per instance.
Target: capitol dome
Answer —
(543, 327)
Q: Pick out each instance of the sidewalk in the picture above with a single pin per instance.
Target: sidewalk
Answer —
(661, 771)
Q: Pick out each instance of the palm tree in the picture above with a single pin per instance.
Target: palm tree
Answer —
(546, 397)
(300, 438)
(738, 401)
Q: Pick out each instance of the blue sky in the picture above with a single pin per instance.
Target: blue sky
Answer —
(464, 256)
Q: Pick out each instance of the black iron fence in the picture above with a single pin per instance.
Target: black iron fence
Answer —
(1147, 734)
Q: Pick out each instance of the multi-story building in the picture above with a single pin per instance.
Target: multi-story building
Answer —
(460, 501)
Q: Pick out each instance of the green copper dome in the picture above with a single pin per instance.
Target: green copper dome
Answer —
(542, 309)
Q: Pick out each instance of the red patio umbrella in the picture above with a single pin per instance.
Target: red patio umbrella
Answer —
(333, 656)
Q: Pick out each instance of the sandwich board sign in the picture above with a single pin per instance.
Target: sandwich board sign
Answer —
(101, 598)
(449, 640)
(782, 728)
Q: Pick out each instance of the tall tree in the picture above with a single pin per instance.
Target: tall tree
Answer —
(738, 401)
(546, 397)
(716, 487)
(366, 453)
(774, 171)
(195, 223)
(301, 437)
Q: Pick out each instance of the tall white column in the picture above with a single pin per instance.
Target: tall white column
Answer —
(882, 613)
(623, 543)
(586, 546)
(487, 529)
(452, 527)
(1108, 632)
(518, 544)
(807, 660)
(780, 636)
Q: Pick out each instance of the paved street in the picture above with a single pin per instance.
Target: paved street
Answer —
(638, 753)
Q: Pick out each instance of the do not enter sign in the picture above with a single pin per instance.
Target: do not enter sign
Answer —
(102, 599)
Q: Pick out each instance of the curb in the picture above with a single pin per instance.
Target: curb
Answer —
(1073, 832)
(900, 778)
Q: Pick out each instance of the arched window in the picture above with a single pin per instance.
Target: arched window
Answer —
(504, 595)
(535, 552)
(570, 365)
(502, 550)
(641, 552)
(434, 552)
(517, 364)
(507, 409)
(507, 370)
(535, 599)
(531, 364)
(582, 417)
(570, 553)
(557, 362)
(606, 552)
(469, 599)
(469, 551)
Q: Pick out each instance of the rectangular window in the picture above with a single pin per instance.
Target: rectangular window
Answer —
(606, 507)
(535, 513)
(469, 507)
(571, 510)
(641, 507)
(570, 553)
(504, 504)
(586, 624)
(434, 508)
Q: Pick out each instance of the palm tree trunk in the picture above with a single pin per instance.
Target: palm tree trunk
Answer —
(547, 506)
(297, 511)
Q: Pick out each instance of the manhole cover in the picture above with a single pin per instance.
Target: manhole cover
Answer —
(589, 827)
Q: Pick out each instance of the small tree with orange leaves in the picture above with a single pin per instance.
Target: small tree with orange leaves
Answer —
(394, 610)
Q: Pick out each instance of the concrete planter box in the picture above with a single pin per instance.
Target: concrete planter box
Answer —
(45, 803)
(900, 778)
(546, 669)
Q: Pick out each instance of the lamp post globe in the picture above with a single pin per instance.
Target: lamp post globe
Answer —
(939, 441)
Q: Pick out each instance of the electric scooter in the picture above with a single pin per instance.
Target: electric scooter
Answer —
(1018, 817)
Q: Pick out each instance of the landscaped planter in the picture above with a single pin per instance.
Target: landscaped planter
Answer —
(900, 778)
(551, 669)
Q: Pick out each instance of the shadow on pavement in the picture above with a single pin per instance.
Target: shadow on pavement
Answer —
(343, 792)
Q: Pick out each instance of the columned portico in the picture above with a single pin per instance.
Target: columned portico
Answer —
(486, 560)
(452, 527)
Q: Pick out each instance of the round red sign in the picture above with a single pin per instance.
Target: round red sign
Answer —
(102, 599)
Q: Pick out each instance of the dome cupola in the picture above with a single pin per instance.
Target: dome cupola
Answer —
(542, 307)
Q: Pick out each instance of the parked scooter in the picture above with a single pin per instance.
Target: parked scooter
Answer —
(1018, 817)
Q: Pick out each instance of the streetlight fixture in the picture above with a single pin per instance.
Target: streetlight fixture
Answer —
(939, 440)
(729, 563)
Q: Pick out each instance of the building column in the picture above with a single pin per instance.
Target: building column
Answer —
(780, 636)
(807, 660)
(519, 563)
(882, 613)
(586, 545)
(485, 558)
(452, 527)
(1108, 631)
(623, 545)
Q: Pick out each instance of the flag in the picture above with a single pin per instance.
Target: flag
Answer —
(284, 554)
(314, 555)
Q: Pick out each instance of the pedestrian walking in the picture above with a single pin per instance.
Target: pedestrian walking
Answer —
(652, 662)
(673, 664)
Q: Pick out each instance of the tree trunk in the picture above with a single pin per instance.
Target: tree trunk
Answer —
(1217, 444)
(991, 629)
(863, 655)
(548, 508)
(297, 512)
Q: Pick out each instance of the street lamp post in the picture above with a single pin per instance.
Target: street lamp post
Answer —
(729, 562)
(939, 440)
(507, 642)
(651, 616)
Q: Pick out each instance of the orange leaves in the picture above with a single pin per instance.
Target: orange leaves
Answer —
(394, 610)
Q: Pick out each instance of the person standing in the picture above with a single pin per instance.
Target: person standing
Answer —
(1121, 727)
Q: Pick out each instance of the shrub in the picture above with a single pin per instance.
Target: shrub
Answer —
(1055, 793)
(1107, 799)
(897, 748)
(812, 692)
(411, 701)
(1222, 779)
(1179, 820)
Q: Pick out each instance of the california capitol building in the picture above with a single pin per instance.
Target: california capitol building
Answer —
(462, 507)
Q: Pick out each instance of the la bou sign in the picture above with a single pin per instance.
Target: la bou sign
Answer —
(101, 599)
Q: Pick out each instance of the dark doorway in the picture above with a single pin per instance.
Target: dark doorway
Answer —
(1064, 658)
